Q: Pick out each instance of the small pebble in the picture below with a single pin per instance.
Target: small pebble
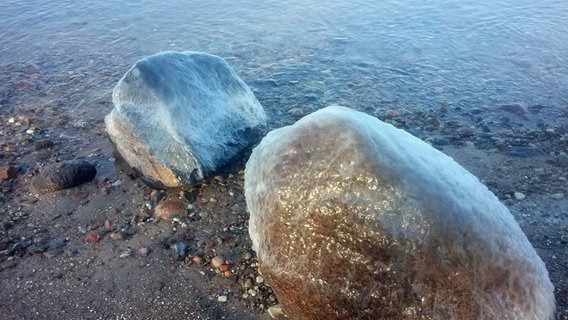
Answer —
(392, 113)
(558, 196)
(296, 112)
(143, 252)
(179, 250)
(125, 254)
(43, 144)
(92, 237)
(222, 298)
(259, 279)
(217, 261)
(519, 196)
(225, 267)
(272, 298)
(275, 311)
(247, 284)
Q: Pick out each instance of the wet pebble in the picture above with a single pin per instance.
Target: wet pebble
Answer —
(43, 144)
(126, 253)
(276, 312)
(247, 256)
(167, 209)
(179, 250)
(92, 237)
(558, 196)
(118, 236)
(519, 196)
(63, 175)
(217, 261)
(247, 283)
(296, 112)
(225, 267)
(143, 252)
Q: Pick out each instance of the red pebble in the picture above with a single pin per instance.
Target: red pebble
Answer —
(92, 237)
(225, 267)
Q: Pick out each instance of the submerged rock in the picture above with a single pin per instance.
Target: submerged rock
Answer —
(64, 175)
(352, 218)
(180, 117)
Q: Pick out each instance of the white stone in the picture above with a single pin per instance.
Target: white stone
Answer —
(519, 196)
(353, 218)
(181, 116)
(558, 196)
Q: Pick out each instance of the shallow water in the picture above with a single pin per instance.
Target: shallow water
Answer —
(370, 55)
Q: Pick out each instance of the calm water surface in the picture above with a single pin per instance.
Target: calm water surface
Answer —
(409, 55)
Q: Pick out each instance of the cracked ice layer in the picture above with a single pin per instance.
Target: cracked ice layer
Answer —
(353, 218)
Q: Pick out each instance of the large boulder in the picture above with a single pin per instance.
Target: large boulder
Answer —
(179, 117)
(352, 218)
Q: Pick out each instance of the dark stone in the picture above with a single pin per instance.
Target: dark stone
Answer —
(179, 250)
(43, 144)
(64, 175)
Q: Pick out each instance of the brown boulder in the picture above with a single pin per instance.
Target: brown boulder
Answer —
(352, 218)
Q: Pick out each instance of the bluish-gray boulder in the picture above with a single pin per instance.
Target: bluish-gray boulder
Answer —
(179, 117)
(352, 218)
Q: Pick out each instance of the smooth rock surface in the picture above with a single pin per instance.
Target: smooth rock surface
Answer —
(352, 218)
(181, 116)
(64, 175)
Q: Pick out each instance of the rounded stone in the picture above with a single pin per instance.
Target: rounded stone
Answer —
(168, 209)
(217, 261)
(352, 218)
(64, 175)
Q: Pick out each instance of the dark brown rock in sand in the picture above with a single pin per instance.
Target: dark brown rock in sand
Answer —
(43, 144)
(8, 173)
(64, 175)
(167, 209)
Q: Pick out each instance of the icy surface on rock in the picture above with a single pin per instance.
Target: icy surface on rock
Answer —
(352, 218)
(180, 116)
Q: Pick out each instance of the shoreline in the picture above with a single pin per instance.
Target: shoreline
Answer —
(49, 268)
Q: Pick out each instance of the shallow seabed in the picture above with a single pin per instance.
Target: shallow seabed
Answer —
(483, 80)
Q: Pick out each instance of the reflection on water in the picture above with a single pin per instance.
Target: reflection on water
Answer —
(412, 55)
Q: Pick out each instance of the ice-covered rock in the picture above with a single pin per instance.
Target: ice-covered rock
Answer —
(179, 117)
(352, 218)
